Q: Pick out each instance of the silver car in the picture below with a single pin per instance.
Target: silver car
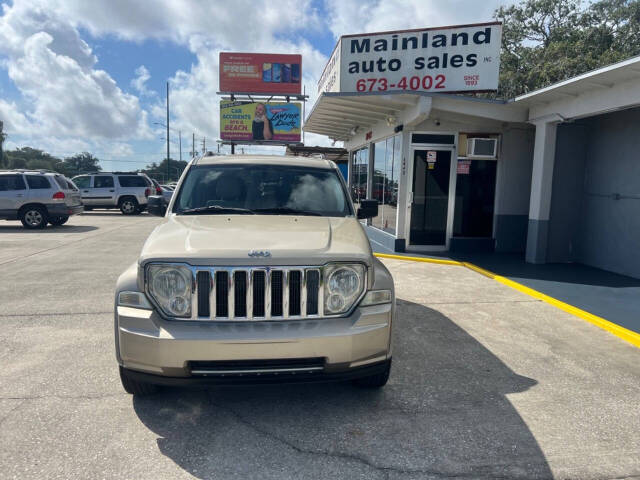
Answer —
(259, 271)
(127, 191)
(37, 197)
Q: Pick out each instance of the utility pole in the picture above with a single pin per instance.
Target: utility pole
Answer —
(1, 142)
(168, 171)
(204, 145)
(193, 145)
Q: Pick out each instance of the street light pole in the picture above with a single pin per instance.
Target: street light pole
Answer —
(1, 142)
(168, 171)
(180, 143)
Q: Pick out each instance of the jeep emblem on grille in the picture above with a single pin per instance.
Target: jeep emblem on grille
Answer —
(259, 253)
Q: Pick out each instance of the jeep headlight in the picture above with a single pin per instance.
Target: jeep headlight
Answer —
(343, 285)
(170, 287)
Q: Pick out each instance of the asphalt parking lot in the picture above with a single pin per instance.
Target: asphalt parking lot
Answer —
(486, 383)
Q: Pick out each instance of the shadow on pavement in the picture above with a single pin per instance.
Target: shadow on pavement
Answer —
(514, 266)
(443, 413)
(108, 213)
(67, 228)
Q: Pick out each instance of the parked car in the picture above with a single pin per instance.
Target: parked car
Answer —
(167, 193)
(260, 271)
(127, 191)
(162, 190)
(37, 197)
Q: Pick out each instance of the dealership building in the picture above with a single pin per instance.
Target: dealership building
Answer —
(553, 174)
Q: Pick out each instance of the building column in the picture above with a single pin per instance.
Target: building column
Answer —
(541, 183)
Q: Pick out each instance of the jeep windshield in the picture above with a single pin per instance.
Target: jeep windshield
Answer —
(258, 189)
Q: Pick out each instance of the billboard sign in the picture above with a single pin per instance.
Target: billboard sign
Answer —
(258, 122)
(260, 73)
(450, 59)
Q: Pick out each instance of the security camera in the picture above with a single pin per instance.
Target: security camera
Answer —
(437, 122)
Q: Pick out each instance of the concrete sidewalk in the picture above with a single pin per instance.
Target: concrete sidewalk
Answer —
(608, 295)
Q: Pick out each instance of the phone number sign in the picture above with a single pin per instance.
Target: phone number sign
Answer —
(451, 59)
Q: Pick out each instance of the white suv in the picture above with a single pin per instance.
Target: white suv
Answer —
(127, 191)
(37, 198)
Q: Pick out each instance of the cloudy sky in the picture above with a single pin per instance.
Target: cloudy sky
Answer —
(80, 75)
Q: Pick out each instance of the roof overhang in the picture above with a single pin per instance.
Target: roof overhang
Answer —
(606, 89)
(340, 115)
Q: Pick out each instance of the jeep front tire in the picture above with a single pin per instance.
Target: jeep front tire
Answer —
(135, 387)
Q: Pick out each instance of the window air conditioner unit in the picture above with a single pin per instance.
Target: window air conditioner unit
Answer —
(482, 147)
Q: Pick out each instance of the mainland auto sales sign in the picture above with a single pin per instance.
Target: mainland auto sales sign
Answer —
(450, 59)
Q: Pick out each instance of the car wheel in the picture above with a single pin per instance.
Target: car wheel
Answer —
(134, 387)
(129, 206)
(378, 380)
(34, 217)
(58, 220)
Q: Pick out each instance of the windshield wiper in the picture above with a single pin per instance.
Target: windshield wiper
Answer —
(216, 209)
(286, 211)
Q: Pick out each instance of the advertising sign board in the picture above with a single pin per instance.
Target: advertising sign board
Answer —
(251, 121)
(450, 59)
(260, 73)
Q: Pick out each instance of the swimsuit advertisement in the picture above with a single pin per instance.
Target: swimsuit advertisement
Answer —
(260, 122)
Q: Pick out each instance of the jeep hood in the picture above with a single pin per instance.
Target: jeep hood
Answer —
(228, 240)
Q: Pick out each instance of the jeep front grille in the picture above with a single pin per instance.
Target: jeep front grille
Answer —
(256, 293)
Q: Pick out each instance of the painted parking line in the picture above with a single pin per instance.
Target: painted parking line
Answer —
(613, 328)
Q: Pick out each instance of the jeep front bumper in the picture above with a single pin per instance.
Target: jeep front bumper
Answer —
(194, 350)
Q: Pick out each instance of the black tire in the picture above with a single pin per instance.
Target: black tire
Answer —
(129, 206)
(134, 387)
(378, 380)
(34, 217)
(58, 220)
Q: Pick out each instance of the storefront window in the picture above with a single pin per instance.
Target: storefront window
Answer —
(359, 175)
(386, 174)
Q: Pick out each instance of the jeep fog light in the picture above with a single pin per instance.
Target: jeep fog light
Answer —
(170, 287)
(376, 297)
(343, 285)
(133, 299)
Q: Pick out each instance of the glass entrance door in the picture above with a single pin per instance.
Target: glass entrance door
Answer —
(430, 203)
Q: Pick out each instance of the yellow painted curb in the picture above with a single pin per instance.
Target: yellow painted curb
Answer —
(440, 261)
(613, 328)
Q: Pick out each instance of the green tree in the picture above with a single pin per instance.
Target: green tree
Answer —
(547, 41)
(27, 157)
(159, 171)
(83, 162)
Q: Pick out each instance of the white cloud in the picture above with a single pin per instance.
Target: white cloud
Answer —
(54, 70)
(66, 97)
(354, 16)
(15, 122)
(140, 81)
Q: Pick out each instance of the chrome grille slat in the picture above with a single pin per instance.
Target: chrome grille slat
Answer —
(263, 293)
(303, 293)
(249, 287)
(285, 293)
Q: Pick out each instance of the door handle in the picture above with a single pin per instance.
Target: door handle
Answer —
(112, 190)
(85, 191)
(20, 195)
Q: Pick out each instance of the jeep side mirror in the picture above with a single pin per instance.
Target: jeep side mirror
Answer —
(156, 205)
(368, 209)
